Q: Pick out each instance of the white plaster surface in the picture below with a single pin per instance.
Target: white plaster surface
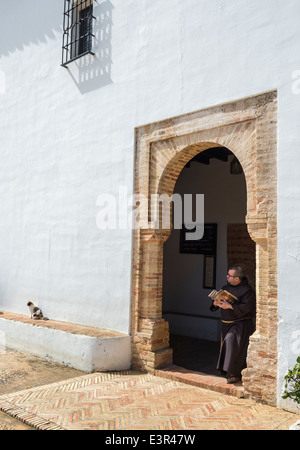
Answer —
(81, 352)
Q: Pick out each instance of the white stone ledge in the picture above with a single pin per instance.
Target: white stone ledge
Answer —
(84, 348)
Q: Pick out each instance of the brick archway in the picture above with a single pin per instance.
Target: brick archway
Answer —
(248, 128)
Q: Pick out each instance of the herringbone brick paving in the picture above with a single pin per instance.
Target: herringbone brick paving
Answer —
(135, 401)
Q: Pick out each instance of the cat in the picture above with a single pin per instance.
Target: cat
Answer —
(36, 312)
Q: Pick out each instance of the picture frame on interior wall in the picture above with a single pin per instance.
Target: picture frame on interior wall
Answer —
(207, 245)
(209, 272)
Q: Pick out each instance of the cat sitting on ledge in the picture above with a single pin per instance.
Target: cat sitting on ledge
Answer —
(36, 312)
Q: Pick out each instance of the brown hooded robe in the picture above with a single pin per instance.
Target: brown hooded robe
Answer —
(237, 326)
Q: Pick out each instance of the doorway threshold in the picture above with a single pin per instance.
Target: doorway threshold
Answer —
(202, 380)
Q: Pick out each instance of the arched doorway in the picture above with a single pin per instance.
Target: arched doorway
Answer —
(192, 269)
(248, 128)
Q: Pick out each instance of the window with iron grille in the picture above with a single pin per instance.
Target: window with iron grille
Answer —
(78, 30)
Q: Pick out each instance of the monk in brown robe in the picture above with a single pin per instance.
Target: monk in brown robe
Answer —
(238, 323)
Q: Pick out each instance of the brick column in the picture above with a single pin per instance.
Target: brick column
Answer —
(241, 250)
(259, 379)
(151, 340)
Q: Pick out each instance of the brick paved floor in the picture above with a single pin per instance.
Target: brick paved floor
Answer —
(135, 401)
(38, 394)
(19, 371)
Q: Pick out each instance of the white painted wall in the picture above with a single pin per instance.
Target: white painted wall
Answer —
(64, 142)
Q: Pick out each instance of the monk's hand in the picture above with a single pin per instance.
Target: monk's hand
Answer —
(225, 305)
(217, 302)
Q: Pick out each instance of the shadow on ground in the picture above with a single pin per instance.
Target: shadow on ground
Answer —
(195, 354)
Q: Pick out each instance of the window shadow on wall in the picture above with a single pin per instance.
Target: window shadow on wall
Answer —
(94, 71)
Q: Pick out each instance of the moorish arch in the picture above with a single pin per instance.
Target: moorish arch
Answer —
(248, 129)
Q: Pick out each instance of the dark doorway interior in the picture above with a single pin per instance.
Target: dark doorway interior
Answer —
(195, 330)
(195, 354)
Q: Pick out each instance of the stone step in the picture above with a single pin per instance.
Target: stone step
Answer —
(203, 380)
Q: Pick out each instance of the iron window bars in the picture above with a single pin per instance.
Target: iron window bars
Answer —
(78, 30)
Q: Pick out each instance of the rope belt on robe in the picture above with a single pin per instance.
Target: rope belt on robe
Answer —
(237, 320)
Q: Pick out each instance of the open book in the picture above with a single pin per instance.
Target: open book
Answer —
(223, 295)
